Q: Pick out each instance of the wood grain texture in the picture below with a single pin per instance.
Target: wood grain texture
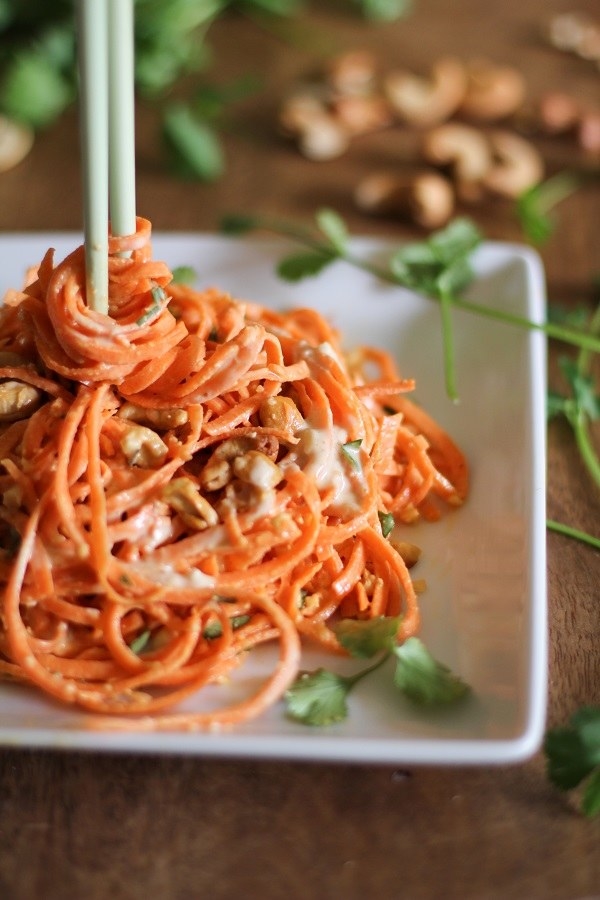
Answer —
(127, 828)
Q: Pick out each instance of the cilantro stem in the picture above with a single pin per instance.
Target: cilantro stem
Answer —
(351, 680)
(446, 301)
(575, 533)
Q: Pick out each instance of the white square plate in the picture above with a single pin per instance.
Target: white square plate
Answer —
(484, 611)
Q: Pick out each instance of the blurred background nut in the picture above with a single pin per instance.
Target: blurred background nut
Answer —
(361, 114)
(558, 112)
(353, 72)
(517, 164)
(464, 151)
(427, 101)
(493, 92)
(425, 198)
(324, 139)
(16, 141)
(588, 135)
(299, 112)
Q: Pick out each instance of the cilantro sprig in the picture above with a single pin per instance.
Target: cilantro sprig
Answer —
(438, 268)
(320, 697)
(573, 757)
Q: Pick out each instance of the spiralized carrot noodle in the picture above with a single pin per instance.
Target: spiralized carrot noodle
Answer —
(187, 478)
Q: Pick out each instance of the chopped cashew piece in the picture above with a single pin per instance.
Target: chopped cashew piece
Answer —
(17, 400)
(257, 469)
(281, 413)
(159, 418)
(425, 102)
(183, 496)
(410, 553)
(143, 447)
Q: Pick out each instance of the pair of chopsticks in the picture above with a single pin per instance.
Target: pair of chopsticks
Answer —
(106, 61)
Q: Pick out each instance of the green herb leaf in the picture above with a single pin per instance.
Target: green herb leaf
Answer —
(423, 679)
(33, 90)
(235, 224)
(556, 404)
(303, 265)
(536, 205)
(365, 638)
(194, 146)
(215, 629)
(351, 450)
(318, 698)
(184, 275)
(440, 265)
(139, 643)
(334, 228)
(384, 10)
(583, 388)
(590, 802)
(387, 522)
(573, 755)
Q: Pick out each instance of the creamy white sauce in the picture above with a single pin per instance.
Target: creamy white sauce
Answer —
(163, 574)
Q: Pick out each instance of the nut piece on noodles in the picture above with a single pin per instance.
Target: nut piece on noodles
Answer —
(17, 400)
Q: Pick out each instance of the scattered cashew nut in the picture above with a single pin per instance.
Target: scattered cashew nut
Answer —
(425, 102)
(465, 151)
(16, 141)
(493, 92)
(517, 164)
(425, 198)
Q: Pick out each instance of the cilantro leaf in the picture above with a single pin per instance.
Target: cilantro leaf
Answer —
(334, 228)
(590, 802)
(194, 146)
(384, 10)
(215, 629)
(318, 698)
(583, 388)
(556, 404)
(365, 638)
(238, 224)
(573, 754)
(351, 451)
(139, 643)
(387, 522)
(423, 679)
(440, 265)
(303, 265)
(184, 274)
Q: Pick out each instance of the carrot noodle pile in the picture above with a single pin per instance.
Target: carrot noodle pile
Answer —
(189, 477)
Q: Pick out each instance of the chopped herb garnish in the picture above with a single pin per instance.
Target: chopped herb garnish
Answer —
(351, 450)
(184, 274)
(215, 629)
(387, 522)
(140, 643)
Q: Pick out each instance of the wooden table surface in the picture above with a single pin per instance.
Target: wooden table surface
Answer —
(126, 827)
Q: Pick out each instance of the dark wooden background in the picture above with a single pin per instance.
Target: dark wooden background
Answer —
(126, 827)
